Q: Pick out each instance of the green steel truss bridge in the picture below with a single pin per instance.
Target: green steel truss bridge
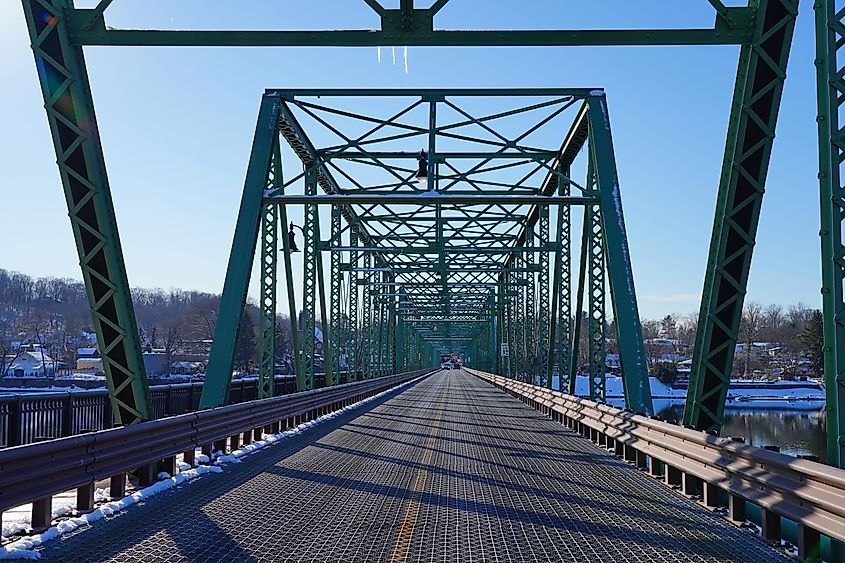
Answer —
(487, 223)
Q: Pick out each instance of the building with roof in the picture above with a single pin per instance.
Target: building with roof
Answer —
(32, 364)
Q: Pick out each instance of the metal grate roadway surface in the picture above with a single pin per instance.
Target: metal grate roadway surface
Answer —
(447, 469)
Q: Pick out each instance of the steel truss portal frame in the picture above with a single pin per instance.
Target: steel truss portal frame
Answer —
(439, 256)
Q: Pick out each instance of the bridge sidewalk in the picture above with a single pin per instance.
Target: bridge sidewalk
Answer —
(447, 469)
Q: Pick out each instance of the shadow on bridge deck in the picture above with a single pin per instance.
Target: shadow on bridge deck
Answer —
(447, 469)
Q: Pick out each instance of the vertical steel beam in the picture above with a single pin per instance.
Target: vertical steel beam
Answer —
(531, 311)
(520, 318)
(544, 360)
(392, 342)
(830, 70)
(296, 351)
(309, 282)
(401, 344)
(596, 285)
(499, 333)
(218, 378)
(336, 322)
(367, 319)
(751, 133)
(510, 330)
(76, 139)
(267, 307)
(572, 378)
(269, 266)
(330, 376)
(493, 350)
(553, 321)
(354, 336)
(563, 269)
(629, 337)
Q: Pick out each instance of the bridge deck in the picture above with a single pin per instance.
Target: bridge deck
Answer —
(448, 469)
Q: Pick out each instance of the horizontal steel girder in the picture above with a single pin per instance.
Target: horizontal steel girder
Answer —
(426, 198)
(446, 249)
(412, 28)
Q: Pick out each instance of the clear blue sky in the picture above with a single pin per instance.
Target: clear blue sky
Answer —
(177, 126)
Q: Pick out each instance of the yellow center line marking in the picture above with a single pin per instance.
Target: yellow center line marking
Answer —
(402, 546)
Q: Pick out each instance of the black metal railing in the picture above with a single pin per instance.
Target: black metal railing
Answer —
(26, 418)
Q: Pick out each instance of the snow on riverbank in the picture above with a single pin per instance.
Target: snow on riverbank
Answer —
(742, 394)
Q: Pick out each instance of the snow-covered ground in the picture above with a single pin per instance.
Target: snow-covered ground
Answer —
(808, 397)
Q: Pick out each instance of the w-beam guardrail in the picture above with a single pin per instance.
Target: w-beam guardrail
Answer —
(36, 416)
(808, 493)
(36, 472)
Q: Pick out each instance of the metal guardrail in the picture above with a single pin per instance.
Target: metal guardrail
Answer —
(36, 472)
(26, 418)
(808, 493)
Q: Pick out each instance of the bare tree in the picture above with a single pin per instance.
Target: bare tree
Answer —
(749, 329)
(773, 322)
(797, 317)
(202, 317)
(171, 340)
(5, 346)
(651, 332)
(687, 330)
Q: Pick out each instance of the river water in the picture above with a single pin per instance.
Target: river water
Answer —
(795, 432)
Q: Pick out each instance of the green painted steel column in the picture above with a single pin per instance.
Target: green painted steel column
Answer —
(498, 332)
(531, 311)
(493, 359)
(367, 320)
(394, 337)
(309, 282)
(218, 378)
(572, 378)
(596, 286)
(513, 297)
(269, 273)
(381, 323)
(553, 329)
(629, 337)
(338, 337)
(330, 377)
(544, 358)
(354, 337)
(401, 338)
(76, 139)
(296, 350)
(520, 322)
(267, 305)
(751, 132)
(830, 37)
(564, 305)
